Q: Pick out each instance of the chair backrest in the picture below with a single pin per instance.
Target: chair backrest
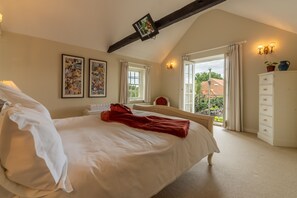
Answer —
(161, 100)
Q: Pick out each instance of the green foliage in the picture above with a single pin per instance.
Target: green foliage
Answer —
(201, 103)
(268, 63)
(133, 91)
(200, 77)
(218, 119)
(217, 102)
(204, 76)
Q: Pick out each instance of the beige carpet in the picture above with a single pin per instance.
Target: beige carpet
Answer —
(246, 168)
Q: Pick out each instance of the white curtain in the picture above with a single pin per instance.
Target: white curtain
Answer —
(124, 83)
(234, 89)
(124, 95)
(147, 97)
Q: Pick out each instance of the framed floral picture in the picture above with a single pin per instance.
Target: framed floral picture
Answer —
(97, 78)
(72, 76)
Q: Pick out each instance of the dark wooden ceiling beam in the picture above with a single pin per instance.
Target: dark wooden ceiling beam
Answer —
(178, 15)
(185, 12)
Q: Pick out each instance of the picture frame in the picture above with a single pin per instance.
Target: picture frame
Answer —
(146, 27)
(72, 76)
(97, 78)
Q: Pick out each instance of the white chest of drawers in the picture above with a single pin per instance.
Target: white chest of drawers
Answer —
(278, 108)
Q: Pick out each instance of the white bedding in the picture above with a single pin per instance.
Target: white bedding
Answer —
(113, 160)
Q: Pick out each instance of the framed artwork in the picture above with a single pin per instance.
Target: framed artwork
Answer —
(97, 78)
(72, 76)
(146, 27)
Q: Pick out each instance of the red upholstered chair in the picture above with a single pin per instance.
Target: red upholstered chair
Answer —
(161, 100)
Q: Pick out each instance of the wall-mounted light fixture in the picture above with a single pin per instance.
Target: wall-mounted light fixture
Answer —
(266, 49)
(170, 65)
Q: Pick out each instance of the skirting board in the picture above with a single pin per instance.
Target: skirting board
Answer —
(251, 130)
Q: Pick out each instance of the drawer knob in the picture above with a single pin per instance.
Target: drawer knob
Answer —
(265, 79)
(265, 120)
(265, 89)
(265, 130)
(264, 109)
(265, 99)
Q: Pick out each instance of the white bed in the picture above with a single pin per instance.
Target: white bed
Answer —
(114, 160)
(86, 157)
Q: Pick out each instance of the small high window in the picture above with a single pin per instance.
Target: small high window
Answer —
(136, 84)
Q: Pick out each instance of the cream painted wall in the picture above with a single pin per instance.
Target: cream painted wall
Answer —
(218, 28)
(35, 66)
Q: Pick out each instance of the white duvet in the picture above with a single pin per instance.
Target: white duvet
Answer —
(112, 160)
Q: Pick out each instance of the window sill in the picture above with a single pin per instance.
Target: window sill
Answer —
(136, 101)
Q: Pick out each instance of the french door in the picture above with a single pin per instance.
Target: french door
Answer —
(188, 86)
(203, 87)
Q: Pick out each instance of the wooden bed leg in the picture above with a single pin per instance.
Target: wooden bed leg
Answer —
(209, 159)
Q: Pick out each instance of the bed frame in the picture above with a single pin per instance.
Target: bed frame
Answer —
(204, 120)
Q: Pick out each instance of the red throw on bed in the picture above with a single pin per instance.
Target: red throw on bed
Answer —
(123, 114)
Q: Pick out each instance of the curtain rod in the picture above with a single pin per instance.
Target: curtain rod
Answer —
(136, 64)
(220, 47)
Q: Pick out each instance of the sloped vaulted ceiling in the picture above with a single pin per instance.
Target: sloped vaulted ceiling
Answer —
(96, 24)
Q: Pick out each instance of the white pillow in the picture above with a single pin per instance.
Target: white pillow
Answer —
(10, 189)
(31, 150)
(15, 96)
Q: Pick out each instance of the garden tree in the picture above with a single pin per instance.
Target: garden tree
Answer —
(200, 77)
(133, 91)
(204, 76)
(201, 101)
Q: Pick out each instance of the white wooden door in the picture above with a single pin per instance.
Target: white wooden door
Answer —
(188, 86)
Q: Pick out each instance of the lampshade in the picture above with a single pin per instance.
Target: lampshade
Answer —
(0, 17)
(10, 84)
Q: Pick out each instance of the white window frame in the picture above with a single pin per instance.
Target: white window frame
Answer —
(187, 61)
(188, 86)
(142, 84)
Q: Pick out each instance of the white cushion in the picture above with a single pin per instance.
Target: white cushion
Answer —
(10, 189)
(15, 96)
(31, 150)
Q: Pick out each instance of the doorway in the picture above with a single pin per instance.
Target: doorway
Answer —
(204, 87)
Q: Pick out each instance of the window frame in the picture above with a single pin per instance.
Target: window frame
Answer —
(142, 83)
